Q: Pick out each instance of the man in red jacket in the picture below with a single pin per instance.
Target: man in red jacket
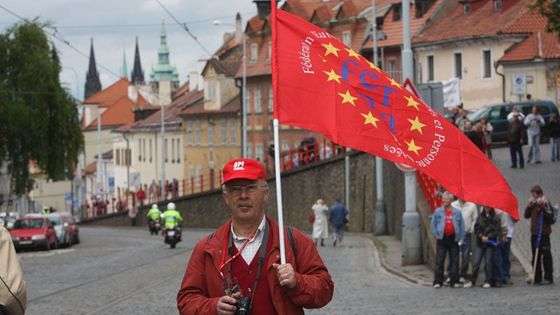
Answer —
(238, 267)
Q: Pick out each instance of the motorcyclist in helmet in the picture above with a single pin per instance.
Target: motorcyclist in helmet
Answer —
(171, 217)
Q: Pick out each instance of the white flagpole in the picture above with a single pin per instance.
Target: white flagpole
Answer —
(279, 191)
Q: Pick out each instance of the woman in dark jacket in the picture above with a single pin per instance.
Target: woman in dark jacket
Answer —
(486, 229)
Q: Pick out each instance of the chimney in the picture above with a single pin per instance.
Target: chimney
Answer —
(263, 8)
(238, 28)
(193, 81)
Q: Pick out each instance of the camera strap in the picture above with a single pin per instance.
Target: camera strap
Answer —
(262, 254)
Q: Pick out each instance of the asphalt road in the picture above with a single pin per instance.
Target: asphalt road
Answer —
(127, 271)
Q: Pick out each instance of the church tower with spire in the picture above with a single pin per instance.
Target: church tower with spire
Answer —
(164, 72)
(137, 75)
(93, 84)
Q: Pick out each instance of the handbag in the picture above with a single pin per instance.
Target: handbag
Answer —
(311, 218)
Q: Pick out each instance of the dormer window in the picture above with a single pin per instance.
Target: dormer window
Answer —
(466, 8)
(397, 12)
(497, 5)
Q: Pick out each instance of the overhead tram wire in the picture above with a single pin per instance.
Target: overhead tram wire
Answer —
(67, 43)
(185, 27)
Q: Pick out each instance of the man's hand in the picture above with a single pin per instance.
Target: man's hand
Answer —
(484, 239)
(226, 305)
(286, 275)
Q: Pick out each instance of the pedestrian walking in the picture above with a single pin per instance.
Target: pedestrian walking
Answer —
(515, 137)
(539, 210)
(338, 220)
(320, 224)
(534, 121)
(554, 132)
(487, 229)
(449, 229)
(469, 211)
(238, 266)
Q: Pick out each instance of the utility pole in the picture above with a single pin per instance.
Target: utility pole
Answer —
(411, 246)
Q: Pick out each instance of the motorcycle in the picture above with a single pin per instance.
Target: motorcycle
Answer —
(154, 226)
(172, 236)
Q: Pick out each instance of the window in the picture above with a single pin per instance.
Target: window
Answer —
(248, 102)
(128, 157)
(211, 88)
(144, 150)
(466, 8)
(250, 150)
(458, 66)
(397, 12)
(347, 38)
(269, 51)
(198, 132)
(165, 152)
(233, 131)
(190, 132)
(178, 142)
(259, 155)
(258, 99)
(151, 150)
(210, 132)
(497, 5)
(486, 63)
(270, 100)
(254, 53)
(139, 150)
(392, 68)
(223, 126)
(430, 62)
(118, 156)
(172, 150)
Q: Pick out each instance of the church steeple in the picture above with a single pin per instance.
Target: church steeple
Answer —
(124, 67)
(93, 84)
(164, 71)
(137, 75)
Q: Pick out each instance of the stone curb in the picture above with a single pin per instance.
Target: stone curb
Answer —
(397, 272)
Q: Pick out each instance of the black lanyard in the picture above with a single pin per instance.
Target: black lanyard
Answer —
(262, 253)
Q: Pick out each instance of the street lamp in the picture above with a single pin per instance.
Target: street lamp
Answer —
(243, 91)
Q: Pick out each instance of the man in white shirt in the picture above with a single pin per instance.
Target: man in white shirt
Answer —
(470, 213)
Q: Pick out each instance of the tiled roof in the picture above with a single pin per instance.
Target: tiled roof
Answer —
(110, 94)
(117, 113)
(529, 22)
(232, 106)
(171, 112)
(539, 45)
(91, 168)
(481, 21)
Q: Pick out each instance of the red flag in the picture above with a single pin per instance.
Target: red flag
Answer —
(322, 85)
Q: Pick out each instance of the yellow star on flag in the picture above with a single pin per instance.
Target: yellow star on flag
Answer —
(412, 147)
(352, 53)
(348, 98)
(330, 49)
(415, 124)
(373, 66)
(395, 83)
(370, 119)
(411, 102)
(333, 76)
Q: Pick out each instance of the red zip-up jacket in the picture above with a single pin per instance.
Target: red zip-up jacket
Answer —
(202, 284)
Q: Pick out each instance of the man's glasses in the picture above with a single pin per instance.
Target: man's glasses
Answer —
(248, 189)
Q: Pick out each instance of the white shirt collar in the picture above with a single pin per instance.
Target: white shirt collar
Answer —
(258, 235)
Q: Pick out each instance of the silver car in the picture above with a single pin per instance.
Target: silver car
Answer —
(61, 229)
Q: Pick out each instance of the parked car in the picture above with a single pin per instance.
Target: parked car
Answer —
(33, 232)
(497, 116)
(73, 229)
(61, 228)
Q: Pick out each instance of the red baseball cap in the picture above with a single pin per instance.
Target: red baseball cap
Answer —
(242, 169)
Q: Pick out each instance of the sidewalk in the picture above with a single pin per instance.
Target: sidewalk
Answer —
(389, 248)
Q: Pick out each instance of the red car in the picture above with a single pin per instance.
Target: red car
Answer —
(33, 232)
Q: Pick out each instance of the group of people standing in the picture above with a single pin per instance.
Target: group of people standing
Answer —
(321, 216)
(458, 223)
(531, 127)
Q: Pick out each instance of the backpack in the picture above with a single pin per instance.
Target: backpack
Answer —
(13, 290)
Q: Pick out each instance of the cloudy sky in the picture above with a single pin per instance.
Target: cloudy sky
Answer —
(114, 24)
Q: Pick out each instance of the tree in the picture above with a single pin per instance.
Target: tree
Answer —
(38, 118)
(551, 10)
